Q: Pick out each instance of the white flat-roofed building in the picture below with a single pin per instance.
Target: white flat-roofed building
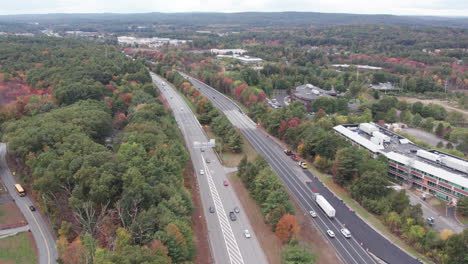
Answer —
(438, 173)
(228, 51)
(150, 42)
(243, 59)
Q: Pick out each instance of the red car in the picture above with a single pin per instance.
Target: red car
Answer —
(294, 157)
(226, 183)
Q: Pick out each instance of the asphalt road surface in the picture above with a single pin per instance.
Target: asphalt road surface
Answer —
(45, 242)
(301, 184)
(226, 237)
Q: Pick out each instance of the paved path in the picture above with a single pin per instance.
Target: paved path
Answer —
(14, 230)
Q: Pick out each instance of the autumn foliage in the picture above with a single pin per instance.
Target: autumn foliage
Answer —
(286, 228)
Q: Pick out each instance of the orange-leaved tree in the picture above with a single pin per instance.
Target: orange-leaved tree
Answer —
(286, 228)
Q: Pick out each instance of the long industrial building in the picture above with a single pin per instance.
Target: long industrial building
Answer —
(440, 174)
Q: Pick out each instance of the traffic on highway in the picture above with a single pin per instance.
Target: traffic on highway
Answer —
(230, 234)
(357, 242)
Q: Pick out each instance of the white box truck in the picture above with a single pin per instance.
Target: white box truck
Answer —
(325, 205)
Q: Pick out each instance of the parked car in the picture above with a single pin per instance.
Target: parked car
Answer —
(202, 172)
(237, 210)
(345, 232)
(430, 220)
(233, 216)
(313, 214)
(225, 183)
(330, 233)
(32, 208)
(288, 152)
(208, 160)
(212, 210)
(247, 233)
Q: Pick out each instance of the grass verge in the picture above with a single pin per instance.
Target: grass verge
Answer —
(18, 249)
(10, 214)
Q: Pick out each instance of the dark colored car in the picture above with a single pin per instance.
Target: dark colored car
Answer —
(32, 208)
(232, 215)
(288, 152)
(212, 210)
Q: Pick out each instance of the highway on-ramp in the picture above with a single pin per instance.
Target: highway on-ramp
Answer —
(301, 183)
(226, 237)
(45, 242)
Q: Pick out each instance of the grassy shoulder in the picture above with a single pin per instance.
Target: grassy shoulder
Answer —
(10, 214)
(371, 219)
(18, 249)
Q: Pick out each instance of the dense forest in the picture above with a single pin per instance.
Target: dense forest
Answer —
(101, 154)
(234, 21)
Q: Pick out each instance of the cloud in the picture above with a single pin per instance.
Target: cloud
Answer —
(398, 7)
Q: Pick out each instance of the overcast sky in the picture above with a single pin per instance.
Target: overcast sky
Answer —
(396, 7)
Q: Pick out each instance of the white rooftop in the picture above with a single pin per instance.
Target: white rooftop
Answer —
(359, 139)
(433, 170)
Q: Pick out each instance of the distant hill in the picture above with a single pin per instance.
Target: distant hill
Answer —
(259, 19)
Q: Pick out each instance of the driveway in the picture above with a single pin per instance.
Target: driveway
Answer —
(441, 221)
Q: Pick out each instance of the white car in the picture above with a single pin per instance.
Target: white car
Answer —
(313, 214)
(246, 233)
(202, 172)
(181, 109)
(345, 232)
(330, 233)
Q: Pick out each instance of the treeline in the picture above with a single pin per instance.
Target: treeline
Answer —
(270, 194)
(431, 117)
(113, 200)
(207, 114)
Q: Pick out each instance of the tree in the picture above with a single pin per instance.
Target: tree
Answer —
(297, 255)
(286, 228)
(456, 248)
(416, 120)
(370, 185)
(346, 165)
(393, 220)
(70, 92)
(462, 205)
(391, 115)
(417, 108)
(235, 142)
(399, 201)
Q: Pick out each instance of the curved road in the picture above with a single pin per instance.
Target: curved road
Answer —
(45, 242)
(301, 182)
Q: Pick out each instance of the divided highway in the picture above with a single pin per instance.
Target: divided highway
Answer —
(45, 242)
(301, 183)
(227, 240)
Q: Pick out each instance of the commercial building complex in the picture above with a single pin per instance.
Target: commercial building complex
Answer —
(308, 93)
(437, 173)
